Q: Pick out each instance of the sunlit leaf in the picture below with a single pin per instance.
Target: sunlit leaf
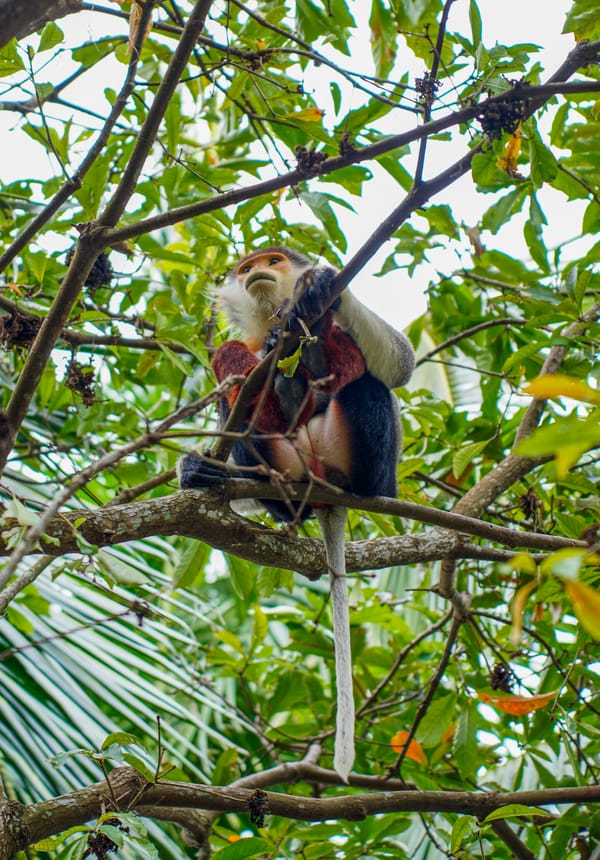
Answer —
(559, 385)
(586, 603)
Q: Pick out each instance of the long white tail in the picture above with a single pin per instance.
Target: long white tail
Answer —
(333, 526)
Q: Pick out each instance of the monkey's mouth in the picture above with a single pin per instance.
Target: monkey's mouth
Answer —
(260, 276)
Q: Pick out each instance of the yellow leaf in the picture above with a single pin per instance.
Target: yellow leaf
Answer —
(517, 704)
(309, 115)
(261, 44)
(414, 751)
(518, 607)
(511, 155)
(568, 455)
(558, 385)
(586, 603)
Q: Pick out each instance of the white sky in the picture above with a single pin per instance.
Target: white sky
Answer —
(395, 296)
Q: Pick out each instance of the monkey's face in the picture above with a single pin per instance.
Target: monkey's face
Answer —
(260, 284)
(268, 278)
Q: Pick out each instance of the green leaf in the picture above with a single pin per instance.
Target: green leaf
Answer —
(51, 36)
(504, 208)
(10, 60)
(118, 571)
(475, 22)
(244, 848)
(321, 207)
(190, 568)
(543, 163)
(583, 19)
(465, 741)
(515, 810)
(383, 37)
(465, 455)
(462, 829)
(120, 738)
(140, 765)
(436, 721)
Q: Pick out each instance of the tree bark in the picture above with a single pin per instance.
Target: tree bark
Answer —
(20, 18)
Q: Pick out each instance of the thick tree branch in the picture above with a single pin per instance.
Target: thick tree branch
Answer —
(21, 826)
(19, 18)
(205, 515)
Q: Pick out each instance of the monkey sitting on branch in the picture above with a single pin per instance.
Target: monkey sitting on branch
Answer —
(332, 416)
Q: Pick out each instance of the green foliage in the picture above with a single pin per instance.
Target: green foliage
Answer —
(234, 658)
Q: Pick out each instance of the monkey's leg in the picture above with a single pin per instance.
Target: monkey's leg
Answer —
(333, 525)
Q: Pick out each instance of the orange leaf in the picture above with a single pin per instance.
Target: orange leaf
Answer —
(415, 750)
(586, 603)
(517, 704)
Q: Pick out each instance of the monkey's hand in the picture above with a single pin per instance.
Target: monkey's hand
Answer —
(311, 296)
(195, 471)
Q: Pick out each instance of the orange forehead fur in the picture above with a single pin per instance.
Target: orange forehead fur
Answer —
(294, 257)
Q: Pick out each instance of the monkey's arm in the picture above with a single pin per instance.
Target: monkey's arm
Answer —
(388, 353)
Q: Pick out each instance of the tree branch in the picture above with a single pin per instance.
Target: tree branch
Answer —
(21, 826)
(205, 515)
(20, 18)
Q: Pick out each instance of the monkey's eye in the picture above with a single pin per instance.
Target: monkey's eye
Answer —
(246, 269)
(274, 260)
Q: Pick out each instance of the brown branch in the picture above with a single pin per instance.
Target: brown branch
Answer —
(469, 332)
(154, 117)
(505, 832)
(581, 55)
(21, 826)
(20, 18)
(205, 515)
